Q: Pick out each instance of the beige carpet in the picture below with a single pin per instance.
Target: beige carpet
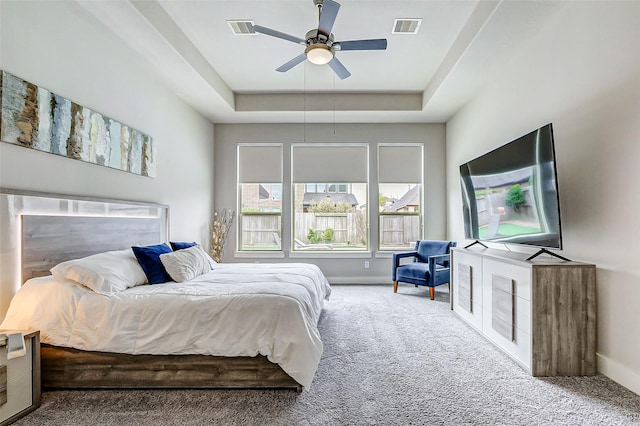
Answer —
(389, 359)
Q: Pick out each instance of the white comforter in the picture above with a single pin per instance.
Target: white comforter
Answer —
(234, 310)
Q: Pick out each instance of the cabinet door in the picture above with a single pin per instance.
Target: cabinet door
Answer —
(19, 382)
(467, 287)
(506, 318)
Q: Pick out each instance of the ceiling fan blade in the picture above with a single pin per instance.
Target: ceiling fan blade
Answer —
(374, 44)
(328, 15)
(278, 34)
(338, 68)
(292, 63)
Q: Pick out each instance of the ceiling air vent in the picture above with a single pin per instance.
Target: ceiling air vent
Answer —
(242, 27)
(406, 26)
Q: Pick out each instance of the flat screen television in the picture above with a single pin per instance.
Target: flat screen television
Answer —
(510, 195)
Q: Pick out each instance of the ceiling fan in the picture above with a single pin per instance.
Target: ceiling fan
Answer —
(320, 44)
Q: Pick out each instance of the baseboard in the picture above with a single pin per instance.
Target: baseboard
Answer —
(360, 280)
(619, 373)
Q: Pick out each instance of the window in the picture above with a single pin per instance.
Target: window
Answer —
(342, 188)
(270, 191)
(399, 195)
(329, 187)
(313, 199)
(259, 197)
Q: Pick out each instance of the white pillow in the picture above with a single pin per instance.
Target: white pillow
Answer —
(186, 264)
(212, 262)
(105, 273)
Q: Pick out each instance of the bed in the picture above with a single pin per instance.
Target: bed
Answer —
(236, 326)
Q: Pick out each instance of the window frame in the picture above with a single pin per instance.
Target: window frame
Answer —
(322, 186)
(421, 206)
(241, 249)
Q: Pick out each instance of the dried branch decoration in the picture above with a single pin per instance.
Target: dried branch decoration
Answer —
(219, 229)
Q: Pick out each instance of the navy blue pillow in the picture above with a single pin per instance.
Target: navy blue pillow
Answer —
(179, 246)
(149, 259)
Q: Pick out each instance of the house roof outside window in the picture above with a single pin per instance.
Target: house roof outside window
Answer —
(410, 198)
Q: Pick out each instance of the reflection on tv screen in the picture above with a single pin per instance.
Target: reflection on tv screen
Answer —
(510, 194)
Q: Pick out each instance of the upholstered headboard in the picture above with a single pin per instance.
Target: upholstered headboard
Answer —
(49, 240)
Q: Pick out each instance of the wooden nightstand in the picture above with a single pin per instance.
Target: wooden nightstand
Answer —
(20, 387)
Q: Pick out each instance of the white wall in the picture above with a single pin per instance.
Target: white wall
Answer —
(582, 73)
(338, 269)
(58, 46)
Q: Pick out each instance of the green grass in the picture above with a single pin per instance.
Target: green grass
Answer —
(260, 248)
(336, 247)
(508, 229)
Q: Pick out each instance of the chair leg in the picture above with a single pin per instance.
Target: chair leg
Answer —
(432, 292)
(395, 286)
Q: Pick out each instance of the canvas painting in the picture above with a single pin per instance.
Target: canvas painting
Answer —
(36, 118)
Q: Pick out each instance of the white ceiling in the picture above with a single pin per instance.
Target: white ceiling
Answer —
(232, 79)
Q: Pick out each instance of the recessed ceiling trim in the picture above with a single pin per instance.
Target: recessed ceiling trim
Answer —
(241, 27)
(480, 16)
(246, 102)
(406, 26)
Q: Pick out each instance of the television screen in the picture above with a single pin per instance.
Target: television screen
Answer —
(510, 195)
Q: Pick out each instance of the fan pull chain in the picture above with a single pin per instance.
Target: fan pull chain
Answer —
(304, 104)
(334, 104)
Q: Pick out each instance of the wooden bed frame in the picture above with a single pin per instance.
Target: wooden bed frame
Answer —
(74, 369)
(49, 240)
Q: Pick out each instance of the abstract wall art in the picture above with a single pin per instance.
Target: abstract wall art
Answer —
(36, 118)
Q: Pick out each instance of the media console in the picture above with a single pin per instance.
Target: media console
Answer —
(541, 312)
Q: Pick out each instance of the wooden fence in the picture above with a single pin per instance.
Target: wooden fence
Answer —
(262, 230)
(398, 230)
(343, 225)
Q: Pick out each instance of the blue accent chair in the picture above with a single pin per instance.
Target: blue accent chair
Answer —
(430, 266)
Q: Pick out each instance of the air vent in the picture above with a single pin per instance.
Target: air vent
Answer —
(406, 26)
(242, 27)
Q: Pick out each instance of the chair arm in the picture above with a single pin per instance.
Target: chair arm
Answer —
(398, 256)
(396, 260)
(434, 259)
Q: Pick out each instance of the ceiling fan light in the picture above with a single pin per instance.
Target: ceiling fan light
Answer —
(319, 54)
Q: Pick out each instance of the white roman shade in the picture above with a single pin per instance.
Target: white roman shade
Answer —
(400, 163)
(330, 163)
(259, 163)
